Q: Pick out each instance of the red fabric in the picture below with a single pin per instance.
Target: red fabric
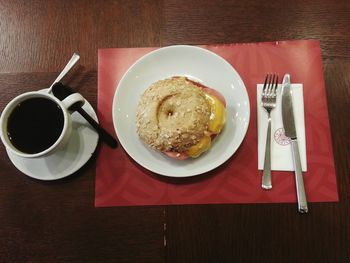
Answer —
(122, 182)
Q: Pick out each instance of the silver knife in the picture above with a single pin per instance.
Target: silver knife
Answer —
(290, 131)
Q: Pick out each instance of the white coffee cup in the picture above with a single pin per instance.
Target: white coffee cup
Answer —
(63, 137)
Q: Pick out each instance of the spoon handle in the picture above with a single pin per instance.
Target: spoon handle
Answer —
(105, 136)
(67, 68)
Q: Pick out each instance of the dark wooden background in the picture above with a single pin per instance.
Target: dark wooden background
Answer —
(57, 221)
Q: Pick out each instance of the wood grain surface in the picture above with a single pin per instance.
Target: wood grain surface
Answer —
(57, 221)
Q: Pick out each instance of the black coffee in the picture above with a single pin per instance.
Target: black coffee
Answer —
(35, 124)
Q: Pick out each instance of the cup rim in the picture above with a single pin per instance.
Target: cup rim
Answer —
(8, 110)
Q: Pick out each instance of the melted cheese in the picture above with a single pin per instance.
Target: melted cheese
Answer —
(216, 123)
(202, 146)
(217, 115)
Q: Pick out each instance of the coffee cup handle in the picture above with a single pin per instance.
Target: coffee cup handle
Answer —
(72, 100)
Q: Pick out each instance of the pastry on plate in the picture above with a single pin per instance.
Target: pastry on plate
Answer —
(180, 117)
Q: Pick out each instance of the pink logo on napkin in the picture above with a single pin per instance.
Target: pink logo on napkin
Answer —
(280, 137)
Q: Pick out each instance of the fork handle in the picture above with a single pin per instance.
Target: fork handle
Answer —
(266, 178)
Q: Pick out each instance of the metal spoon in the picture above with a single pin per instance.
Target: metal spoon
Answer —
(61, 91)
(66, 69)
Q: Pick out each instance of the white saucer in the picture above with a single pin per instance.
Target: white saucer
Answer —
(67, 160)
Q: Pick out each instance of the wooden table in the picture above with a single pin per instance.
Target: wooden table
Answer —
(57, 221)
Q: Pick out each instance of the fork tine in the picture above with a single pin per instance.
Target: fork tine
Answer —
(267, 80)
(276, 85)
(273, 85)
(270, 87)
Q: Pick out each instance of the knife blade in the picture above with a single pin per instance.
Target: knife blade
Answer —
(290, 131)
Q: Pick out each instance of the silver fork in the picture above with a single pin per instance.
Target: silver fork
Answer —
(268, 102)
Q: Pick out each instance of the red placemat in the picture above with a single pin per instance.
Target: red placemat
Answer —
(122, 182)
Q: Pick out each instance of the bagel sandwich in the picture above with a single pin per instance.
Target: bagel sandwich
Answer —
(180, 117)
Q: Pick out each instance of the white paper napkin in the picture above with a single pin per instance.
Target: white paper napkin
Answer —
(281, 153)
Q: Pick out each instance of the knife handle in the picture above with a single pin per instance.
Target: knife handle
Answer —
(302, 202)
(266, 178)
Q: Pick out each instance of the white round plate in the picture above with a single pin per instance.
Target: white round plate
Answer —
(197, 64)
(67, 160)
